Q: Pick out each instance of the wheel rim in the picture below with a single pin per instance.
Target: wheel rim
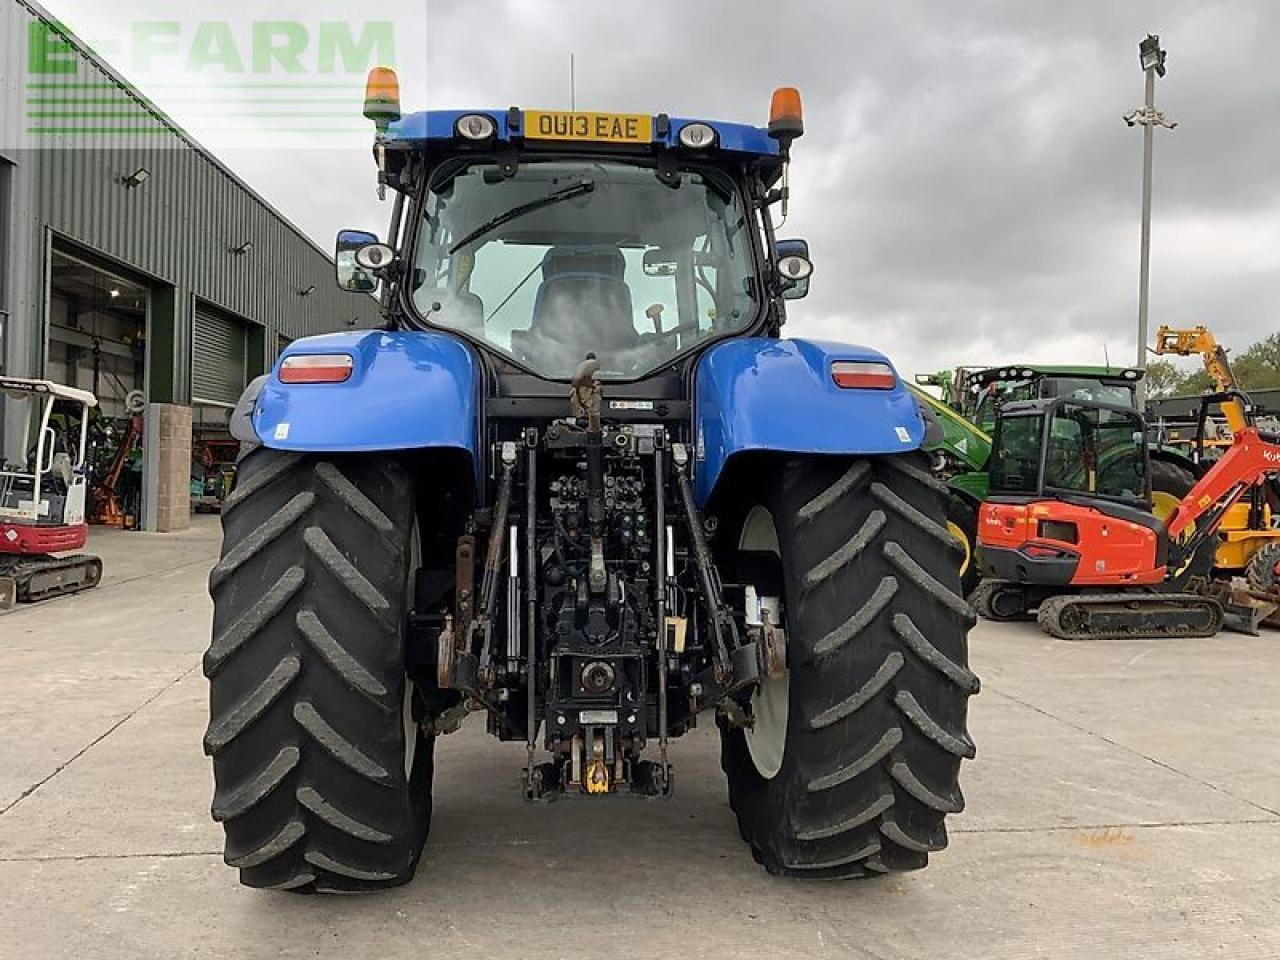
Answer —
(1007, 603)
(410, 729)
(406, 710)
(770, 703)
(1162, 506)
(962, 538)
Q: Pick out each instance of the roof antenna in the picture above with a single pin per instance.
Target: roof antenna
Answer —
(1106, 357)
(573, 85)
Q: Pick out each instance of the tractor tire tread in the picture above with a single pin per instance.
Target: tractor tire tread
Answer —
(1262, 573)
(307, 676)
(879, 674)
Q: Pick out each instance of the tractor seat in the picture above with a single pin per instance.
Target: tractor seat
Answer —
(583, 304)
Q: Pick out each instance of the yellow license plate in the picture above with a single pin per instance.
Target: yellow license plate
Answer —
(596, 127)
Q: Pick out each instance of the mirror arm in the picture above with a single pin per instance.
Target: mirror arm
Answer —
(392, 272)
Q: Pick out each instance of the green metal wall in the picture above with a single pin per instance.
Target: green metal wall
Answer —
(176, 231)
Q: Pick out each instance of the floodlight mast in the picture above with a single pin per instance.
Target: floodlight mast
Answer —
(1151, 58)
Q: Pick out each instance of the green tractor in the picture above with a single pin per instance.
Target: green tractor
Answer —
(961, 443)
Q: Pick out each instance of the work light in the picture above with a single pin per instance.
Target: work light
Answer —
(476, 126)
(697, 135)
(1150, 56)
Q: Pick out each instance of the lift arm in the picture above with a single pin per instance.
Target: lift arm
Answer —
(1251, 459)
(1199, 340)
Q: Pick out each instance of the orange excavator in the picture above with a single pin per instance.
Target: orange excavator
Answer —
(1067, 528)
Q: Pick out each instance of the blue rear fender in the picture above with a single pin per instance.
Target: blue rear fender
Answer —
(408, 391)
(758, 394)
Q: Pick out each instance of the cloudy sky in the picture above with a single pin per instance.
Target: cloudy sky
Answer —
(966, 183)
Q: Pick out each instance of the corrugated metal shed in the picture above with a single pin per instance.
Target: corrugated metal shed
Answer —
(177, 231)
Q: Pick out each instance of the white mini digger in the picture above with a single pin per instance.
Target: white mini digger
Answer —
(43, 486)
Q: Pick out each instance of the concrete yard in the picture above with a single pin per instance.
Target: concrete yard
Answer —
(1125, 803)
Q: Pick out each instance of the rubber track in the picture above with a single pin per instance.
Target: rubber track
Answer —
(1052, 609)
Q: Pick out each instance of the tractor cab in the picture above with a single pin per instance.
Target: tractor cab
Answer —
(988, 389)
(539, 238)
(1071, 448)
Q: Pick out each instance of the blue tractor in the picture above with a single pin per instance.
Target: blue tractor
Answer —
(579, 484)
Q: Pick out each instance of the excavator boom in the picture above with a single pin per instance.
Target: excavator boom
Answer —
(1251, 458)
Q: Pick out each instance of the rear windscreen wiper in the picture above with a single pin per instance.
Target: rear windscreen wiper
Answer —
(568, 193)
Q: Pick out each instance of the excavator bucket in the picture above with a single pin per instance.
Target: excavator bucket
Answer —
(1244, 611)
(8, 593)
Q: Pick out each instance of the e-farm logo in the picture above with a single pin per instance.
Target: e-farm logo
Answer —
(279, 76)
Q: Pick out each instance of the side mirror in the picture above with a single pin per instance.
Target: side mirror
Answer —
(357, 256)
(658, 263)
(794, 268)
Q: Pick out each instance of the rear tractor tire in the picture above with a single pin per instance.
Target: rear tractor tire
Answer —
(1169, 484)
(1263, 571)
(962, 521)
(852, 763)
(322, 775)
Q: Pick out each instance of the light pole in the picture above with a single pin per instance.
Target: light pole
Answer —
(1151, 58)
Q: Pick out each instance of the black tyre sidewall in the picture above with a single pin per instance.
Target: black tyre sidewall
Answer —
(370, 646)
(773, 813)
(964, 514)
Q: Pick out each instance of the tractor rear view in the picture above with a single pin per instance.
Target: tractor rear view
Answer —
(580, 486)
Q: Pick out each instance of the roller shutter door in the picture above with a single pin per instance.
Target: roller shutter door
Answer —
(219, 349)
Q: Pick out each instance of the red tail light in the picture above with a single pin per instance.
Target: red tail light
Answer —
(863, 375)
(316, 368)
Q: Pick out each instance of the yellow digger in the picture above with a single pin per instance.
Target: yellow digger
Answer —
(1249, 543)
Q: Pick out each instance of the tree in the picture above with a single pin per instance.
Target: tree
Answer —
(1258, 368)
(1162, 379)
